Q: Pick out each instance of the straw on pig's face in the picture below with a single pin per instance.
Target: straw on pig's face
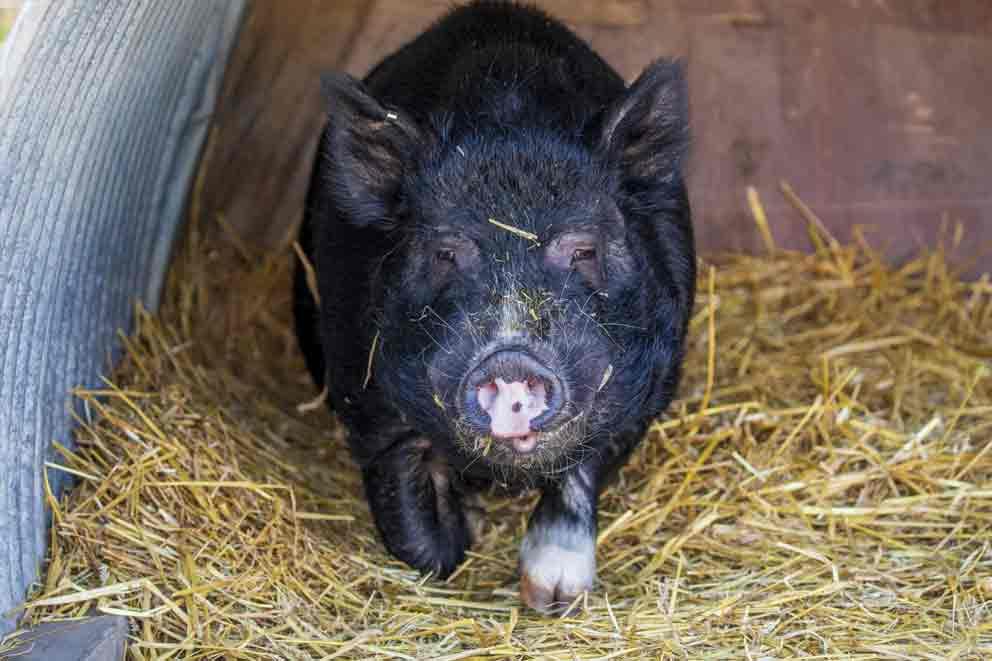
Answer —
(507, 307)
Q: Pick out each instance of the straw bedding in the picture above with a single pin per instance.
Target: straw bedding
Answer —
(821, 490)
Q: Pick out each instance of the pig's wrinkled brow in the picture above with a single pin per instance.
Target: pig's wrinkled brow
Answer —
(448, 232)
(452, 236)
(559, 230)
(473, 232)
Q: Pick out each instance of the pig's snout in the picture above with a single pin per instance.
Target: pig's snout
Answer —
(512, 406)
(511, 396)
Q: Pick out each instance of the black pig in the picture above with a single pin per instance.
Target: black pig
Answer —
(505, 269)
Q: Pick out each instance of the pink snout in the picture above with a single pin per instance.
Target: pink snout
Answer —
(511, 396)
(512, 406)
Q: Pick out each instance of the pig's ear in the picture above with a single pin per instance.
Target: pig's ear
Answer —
(646, 130)
(367, 149)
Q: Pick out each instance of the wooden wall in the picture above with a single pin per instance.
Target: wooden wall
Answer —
(877, 112)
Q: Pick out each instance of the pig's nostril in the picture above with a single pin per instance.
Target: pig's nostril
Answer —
(487, 394)
(510, 394)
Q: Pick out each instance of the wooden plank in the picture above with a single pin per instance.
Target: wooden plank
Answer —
(95, 638)
(258, 162)
(872, 109)
(733, 148)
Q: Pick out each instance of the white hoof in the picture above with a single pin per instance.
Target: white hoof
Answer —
(557, 564)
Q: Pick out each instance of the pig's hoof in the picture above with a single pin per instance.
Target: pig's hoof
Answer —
(453, 534)
(417, 508)
(555, 569)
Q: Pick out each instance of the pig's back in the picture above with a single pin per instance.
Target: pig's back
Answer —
(497, 61)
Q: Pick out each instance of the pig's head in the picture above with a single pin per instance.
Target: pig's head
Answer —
(536, 293)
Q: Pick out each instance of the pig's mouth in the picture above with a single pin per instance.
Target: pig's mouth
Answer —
(515, 407)
(538, 452)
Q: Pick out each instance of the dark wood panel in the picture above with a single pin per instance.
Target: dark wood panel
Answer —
(258, 159)
(874, 121)
(876, 111)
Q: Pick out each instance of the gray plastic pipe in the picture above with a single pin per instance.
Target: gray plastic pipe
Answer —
(104, 108)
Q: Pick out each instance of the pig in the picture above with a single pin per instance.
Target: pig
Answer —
(500, 235)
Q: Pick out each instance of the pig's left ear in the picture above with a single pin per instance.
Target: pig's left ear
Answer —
(367, 148)
(646, 130)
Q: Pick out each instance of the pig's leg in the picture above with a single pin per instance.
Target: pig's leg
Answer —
(416, 507)
(558, 553)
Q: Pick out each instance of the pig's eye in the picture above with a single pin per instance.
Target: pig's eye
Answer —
(452, 254)
(446, 255)
(576, 251)
(583, 254)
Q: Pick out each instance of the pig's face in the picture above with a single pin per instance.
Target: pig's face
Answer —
(529, 306)
(511, 298)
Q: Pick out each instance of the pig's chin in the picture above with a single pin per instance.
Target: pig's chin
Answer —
(542, 452)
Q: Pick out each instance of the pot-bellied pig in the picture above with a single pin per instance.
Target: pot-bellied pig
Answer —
(504, 262)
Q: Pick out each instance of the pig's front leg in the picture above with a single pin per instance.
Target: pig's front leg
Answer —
(558, 554)
(416, 507)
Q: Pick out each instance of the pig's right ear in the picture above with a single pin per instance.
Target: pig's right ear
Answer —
(367, 149)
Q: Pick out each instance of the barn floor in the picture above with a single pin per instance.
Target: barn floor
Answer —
(821, 489)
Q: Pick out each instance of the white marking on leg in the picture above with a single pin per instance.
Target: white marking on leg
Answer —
(557, 563)
(575, 493)
(558, 558)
